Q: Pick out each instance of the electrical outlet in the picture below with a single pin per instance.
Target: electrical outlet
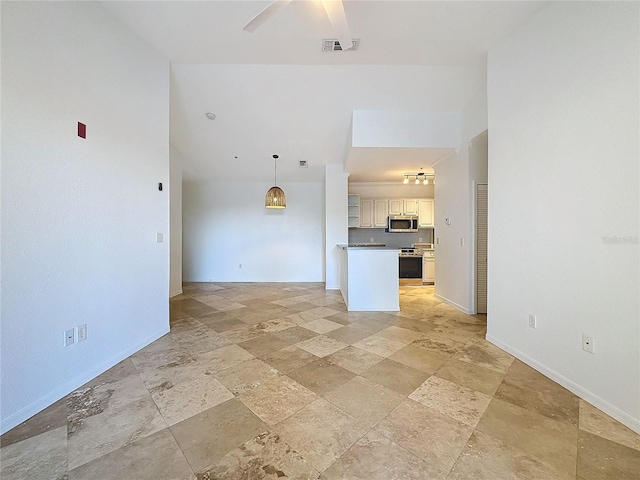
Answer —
(587, 343)
(372, 240)
(532, 320)
(159, 237)
(239, 266)
(82, 332)
(69, 337)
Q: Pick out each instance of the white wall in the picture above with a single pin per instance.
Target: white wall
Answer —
(452, 259)
(226, 225)
(175, 184)
(478, 151)
(455, 181)
(301, 112)
(563, 170)
(405, 129)
(336, 222)
(391, 190)
(479, 156)
(79, 216)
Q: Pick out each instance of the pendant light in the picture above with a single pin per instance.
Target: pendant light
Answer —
(275, 197)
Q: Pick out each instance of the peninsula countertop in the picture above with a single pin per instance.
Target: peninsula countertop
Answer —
(365, 246)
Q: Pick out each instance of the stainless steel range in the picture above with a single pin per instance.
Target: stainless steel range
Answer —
(410, 252)
(410, 266)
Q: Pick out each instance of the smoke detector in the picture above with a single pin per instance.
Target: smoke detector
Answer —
(333, 45)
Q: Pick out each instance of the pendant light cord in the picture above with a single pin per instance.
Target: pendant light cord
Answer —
(275, 170)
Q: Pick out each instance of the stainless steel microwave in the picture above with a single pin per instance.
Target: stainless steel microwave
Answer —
(402, 223)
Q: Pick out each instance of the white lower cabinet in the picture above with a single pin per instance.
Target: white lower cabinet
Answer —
(429, 267)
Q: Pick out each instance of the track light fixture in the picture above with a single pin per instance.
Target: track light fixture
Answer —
(418, 178)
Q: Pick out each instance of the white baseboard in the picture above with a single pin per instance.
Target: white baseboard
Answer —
(50, 398)
(175, 294)
(586, 395)
(453, 304)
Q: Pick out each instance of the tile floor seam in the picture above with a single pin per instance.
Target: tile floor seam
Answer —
(181, 451)
(344, 411)
(356, 441)
(481, 429)
(239, 397)
(346, 451)
(519, 450)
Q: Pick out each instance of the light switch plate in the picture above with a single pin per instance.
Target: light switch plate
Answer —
(69, 337)
(82, 332)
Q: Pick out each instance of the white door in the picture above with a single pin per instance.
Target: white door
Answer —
(481, 247)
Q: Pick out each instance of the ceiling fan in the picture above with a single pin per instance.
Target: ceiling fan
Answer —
(335, 12)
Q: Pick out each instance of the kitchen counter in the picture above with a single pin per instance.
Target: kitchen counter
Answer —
(369, 277)
(367, 246)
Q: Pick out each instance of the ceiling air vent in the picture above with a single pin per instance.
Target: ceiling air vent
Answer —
(303, 164)
(333, 45)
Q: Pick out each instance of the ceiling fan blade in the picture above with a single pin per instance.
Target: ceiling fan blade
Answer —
(265, 14)
(338, 19)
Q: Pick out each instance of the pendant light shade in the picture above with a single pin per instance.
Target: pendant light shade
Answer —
(275, 197)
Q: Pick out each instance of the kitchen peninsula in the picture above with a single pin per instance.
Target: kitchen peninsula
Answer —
(369, 277)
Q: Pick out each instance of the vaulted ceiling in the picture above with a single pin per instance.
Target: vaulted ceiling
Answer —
(275, 91)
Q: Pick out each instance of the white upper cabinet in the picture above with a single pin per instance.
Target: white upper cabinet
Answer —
(366, 212)
(425, 213)
(396, 206)
(410, 207)
(402, 206)
(381, 208)
(373, 212)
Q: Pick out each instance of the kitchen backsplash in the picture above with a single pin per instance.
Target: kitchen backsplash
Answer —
(364, 235)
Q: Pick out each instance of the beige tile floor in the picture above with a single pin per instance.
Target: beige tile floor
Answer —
(267, 381)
